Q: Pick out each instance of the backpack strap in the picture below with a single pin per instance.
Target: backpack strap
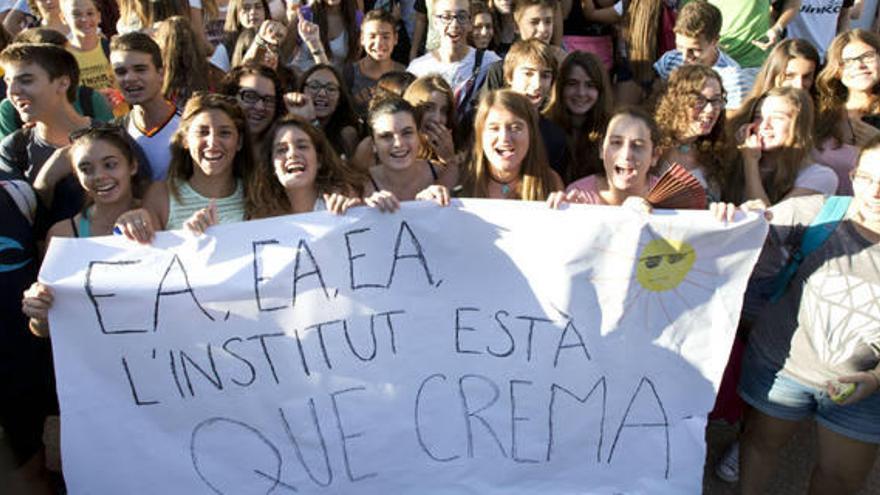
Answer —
(817, 233)
(105, 46)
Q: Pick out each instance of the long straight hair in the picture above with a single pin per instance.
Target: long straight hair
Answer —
(536, 177)
(790, 160)
(586, 140)
(349, 19)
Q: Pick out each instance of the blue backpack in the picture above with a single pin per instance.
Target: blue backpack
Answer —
(762, 291)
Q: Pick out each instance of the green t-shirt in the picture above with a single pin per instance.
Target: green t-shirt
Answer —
(10, 121)
(742, 22)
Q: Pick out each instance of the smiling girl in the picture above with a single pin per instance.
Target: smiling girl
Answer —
(306, 174)
(629, 152)
(508, 160)
(399, 175)
(691, 117)
(581, 105)
(209, 174)
(775, 148)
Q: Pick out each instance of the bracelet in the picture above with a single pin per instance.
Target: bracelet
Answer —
(38, 326)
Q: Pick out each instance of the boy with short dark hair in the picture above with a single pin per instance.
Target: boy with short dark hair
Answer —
(697, 30)
(42, 81)
(88, 102)
(137, 66)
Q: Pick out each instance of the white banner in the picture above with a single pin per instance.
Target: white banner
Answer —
(488, 347)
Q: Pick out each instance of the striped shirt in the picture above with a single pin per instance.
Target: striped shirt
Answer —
(737, 81)
(229, 209)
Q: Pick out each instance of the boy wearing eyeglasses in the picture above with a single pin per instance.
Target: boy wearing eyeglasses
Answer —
(697, 32)
(454, 60)
(137, 66)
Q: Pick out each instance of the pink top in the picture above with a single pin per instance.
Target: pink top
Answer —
(589, 185)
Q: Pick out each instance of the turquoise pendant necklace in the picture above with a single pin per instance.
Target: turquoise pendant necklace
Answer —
(505, 186)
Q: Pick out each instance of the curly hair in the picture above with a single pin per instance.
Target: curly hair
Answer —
(674, 116)
(585, 140)
(269, 196)
(832, 93)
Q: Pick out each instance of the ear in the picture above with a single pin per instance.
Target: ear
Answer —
(240, 142)
(134, 167)
(63, 83)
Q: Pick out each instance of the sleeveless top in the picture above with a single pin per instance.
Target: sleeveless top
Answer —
(430, 167)
(83, 228)
(229, 209)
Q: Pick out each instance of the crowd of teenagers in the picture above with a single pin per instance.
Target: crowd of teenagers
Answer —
(137, 116)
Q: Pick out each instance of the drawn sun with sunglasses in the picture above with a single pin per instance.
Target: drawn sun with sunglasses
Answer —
(663, 264)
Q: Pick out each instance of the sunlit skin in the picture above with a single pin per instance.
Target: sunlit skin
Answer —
(378, 39)
(628, 154)
(860, 71)
(483, 30)
(774, 123)
(104, 172)
(799, 73)
(137, 76)
(706, 110)
(82, 16)
(532, 80)
(505, 141)
(323, 88)
(866, 188)
(535, 22)
(212, 141)
(295, 159)
(261, 113)
(396, 138)
(251, 14)
(31, 92)
(453, 34)
(697, 50)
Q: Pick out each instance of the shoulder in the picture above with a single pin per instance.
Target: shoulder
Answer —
(799, 210)
(62, 228)
(421, 64)
(725, 61)
(819, 178)
(588, 184)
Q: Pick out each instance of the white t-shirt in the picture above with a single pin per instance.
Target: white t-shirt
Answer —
(818, 178)
(454, 73)
(156, 145)
(817, 22)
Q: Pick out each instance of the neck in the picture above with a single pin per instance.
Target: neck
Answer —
(370, 64)
(153, 112)
(504, 176)
(577, 120)
(104, 215)
(448, 52)
(84, 42)
(614, 196)
(56, 128)
(335, 9)
(212, 187)
(302, 199)
(858, 100)
(398, 180)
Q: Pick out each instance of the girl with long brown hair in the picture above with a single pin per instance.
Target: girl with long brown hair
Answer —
(301, 172)
(209, 177)
(581, 105)
(774, 160)
(184, 62)
(508, 160)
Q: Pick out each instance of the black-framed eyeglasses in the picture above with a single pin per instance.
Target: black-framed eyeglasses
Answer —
(654, 261)
(251, 97)
(864, 58)
(717, 102)
(865, 178)
(316, 87)
(446, 19)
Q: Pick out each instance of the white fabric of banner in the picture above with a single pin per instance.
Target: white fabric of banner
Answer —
(487, 347)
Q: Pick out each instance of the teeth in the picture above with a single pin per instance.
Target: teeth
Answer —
(294, 168)
(212, 155)
(105, 187)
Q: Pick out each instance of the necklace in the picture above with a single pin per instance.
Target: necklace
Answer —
(505, 186)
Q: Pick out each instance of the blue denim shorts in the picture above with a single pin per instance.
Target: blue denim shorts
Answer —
(777, 395)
